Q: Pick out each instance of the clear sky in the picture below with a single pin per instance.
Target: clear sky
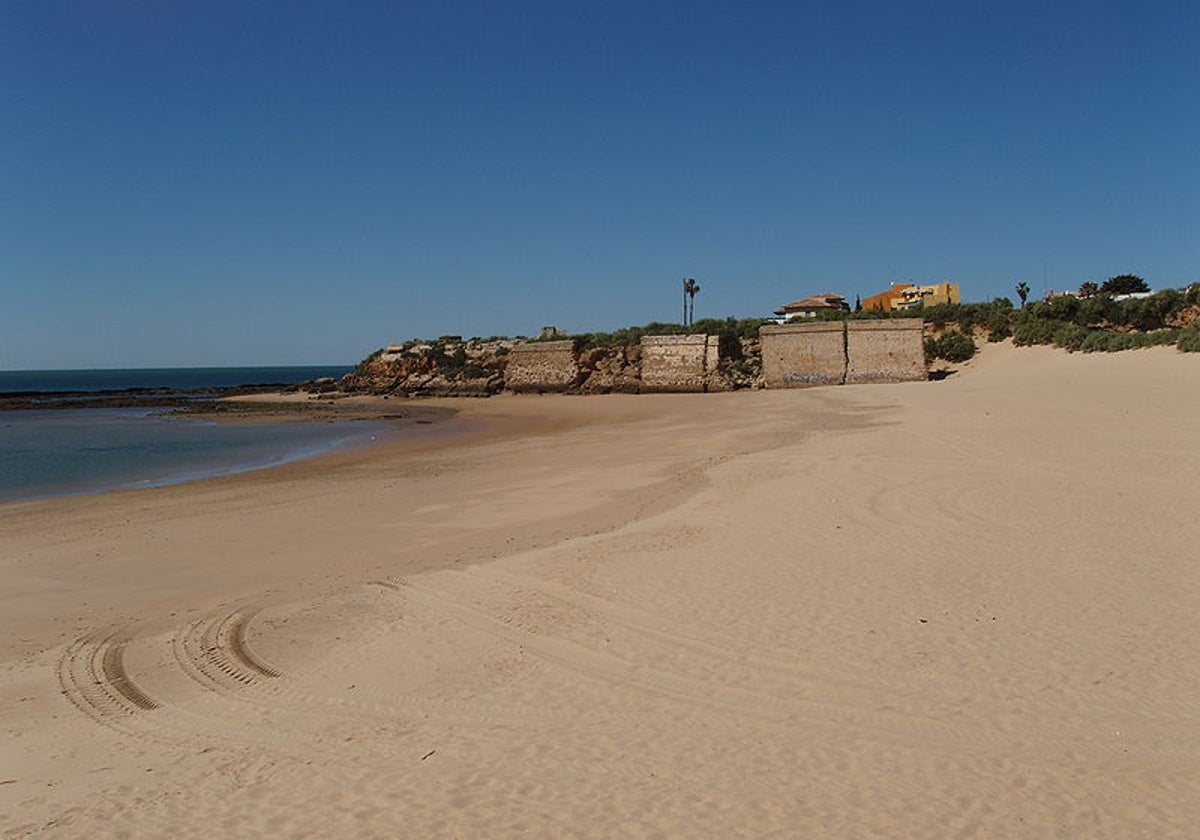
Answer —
(210, 182)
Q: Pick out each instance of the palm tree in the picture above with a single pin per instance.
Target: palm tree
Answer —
(690, 288)
(1023, 292)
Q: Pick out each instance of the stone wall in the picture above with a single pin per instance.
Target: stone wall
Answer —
(799, 355)
(680, 362)
(891, 350)
(542, 366)
(792, 356)
(839, 352)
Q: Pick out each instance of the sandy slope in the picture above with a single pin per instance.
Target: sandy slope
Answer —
(954, 609)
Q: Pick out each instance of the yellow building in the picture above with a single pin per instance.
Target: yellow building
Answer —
(911, 296)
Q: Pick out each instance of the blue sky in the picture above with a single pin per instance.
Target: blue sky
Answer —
(208, 183)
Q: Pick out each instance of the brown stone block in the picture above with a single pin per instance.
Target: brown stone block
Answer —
(802, 355)
(890, 350)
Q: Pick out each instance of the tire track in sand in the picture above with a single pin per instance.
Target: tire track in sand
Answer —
(213, 651)
(230, 712)
(92, 675)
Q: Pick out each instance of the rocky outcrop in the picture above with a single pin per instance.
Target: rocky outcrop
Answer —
(447, 367)
(1189, 316)
(612, 369)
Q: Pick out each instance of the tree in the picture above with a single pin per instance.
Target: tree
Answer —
(1124, 284)
(1088, 289)
(858, 303)
(1023, 292)
(690, 288)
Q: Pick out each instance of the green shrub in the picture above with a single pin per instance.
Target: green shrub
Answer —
(1069, 336)
(1034, 331)
(953, 346)
(994, 317)
(1109, 341)
(1189, 340)
(1096, 311)
(998, 326)
(1061, 308)
(1104, 341)
(1149, 313)
(1158, 338)
(451, 362)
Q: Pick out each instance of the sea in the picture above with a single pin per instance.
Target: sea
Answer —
(175, 379)
(59, 452)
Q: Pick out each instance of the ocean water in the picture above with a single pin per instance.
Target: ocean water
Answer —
(45, 453)
(58, 452)
(21, 381)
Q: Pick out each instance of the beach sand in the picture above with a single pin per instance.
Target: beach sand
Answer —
(963, 608)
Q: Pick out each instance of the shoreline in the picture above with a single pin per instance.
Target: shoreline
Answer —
(332, 428)
(885, 610)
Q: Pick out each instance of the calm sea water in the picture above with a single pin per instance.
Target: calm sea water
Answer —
(19, 381)
(47, 453)
(57, 453)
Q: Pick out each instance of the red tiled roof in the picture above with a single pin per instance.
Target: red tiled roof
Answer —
(828, 300)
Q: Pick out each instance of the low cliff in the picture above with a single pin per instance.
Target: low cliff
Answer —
(446, 367)
(453, 367)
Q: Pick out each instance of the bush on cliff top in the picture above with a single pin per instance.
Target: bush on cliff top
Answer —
(953, 346)
(1189, 340)
(729, 331)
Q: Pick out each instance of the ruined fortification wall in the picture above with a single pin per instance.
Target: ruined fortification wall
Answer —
(680, 362)
(792, 356)
(542, 366)
(799, 355)
(838, 352)
(891, 350)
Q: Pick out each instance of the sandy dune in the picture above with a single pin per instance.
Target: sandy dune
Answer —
(954, 609)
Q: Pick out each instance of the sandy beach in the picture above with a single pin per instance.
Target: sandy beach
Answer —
(962, 608)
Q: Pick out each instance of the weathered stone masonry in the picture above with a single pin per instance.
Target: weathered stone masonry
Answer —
(886, 351)
(840, 352)
(542, 366)
(799, 355)
(680, 363)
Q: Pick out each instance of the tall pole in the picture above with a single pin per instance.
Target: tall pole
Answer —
(685, 290)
